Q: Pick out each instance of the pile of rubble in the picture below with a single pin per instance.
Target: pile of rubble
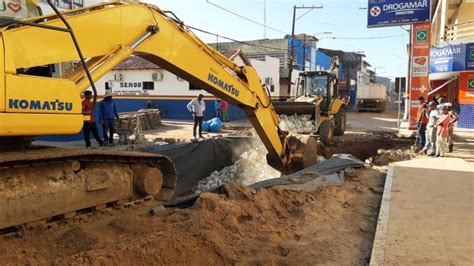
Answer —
(133, 123)
(297, 124)
(385, 157)
(249, 169)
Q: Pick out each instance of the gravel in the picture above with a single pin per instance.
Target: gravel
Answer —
(250, 168)
(297, 124)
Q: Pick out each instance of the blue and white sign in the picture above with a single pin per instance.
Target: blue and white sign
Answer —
(469, 56)
(383, 13)
(452, 58)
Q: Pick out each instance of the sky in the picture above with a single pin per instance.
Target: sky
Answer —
(343, 18)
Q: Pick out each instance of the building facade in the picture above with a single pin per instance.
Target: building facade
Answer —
(306, 56)
(136, 81)
(452, 57)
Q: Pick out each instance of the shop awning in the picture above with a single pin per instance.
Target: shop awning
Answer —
(441, 86)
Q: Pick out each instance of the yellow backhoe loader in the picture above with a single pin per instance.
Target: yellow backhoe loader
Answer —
(317, 95)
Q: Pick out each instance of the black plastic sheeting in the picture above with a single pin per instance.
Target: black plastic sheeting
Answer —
(196, 160)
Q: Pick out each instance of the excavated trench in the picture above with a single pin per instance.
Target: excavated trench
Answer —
(213, 162)
(367, 145)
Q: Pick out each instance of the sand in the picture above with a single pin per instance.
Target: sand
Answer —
(271, 226)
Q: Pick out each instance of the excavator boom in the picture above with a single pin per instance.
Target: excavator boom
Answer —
(108, 34)
(42, 184)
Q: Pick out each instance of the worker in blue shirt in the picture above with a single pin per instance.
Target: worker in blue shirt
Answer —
(218, 108)
(107, 114)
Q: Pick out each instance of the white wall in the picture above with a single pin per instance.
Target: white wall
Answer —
(171, 86)
(270, 68)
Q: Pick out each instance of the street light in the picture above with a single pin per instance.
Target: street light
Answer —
(323, 33)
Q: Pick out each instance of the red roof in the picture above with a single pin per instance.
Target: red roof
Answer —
(136, 63)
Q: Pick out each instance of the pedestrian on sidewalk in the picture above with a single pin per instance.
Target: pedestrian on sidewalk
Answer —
(443, 132)
(197, 107)
(108, 114)
(422, 121)
(89, 122)
(218, 108)
(453, 117)
(225, 111)
(433, 115)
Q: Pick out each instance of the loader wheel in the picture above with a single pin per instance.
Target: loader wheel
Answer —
(340, 122)
(326, 132)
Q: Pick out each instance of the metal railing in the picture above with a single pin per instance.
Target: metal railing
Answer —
(459, 31)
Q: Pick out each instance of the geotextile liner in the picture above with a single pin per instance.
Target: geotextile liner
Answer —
(197, 160)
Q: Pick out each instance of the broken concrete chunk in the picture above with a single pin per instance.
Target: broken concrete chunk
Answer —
(158, 211)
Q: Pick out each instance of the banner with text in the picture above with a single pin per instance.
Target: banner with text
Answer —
(383, 13)
(420, 51)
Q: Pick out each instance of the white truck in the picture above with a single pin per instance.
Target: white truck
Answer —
(371, 97)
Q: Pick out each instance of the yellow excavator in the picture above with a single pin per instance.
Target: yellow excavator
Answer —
(42, 183)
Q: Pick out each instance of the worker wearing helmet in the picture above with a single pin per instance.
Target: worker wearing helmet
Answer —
(108, 114)
(89, 123)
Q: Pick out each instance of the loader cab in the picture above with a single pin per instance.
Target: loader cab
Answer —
(320, 84)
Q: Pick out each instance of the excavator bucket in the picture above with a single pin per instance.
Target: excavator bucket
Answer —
(298, 108)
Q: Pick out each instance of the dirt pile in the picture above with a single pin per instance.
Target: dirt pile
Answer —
(385, 157)
(272, 226)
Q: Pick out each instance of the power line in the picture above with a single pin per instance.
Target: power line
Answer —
(363, 38)
(305, 13)
(248, 19)
(237, 41)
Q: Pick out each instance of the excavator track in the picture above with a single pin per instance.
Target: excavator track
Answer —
(44, 184)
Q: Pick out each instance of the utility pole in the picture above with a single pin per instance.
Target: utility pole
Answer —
(304, 52)
(408, 86)
(292, 43)
(264, 19)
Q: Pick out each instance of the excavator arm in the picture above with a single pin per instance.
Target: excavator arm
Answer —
(107, 34)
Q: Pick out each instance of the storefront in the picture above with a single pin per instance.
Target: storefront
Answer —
(452, 78)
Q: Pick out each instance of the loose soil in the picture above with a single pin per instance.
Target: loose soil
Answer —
(334, 225)
(272, 226)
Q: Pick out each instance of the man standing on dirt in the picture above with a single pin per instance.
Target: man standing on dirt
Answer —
(433, 115)
(108, 114)
(197, 108)
(89, 123)
(422, 120)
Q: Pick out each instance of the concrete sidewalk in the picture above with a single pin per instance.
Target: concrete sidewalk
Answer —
(427, 214)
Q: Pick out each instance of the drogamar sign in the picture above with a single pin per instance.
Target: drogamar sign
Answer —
(398, 12)
(452, 58)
